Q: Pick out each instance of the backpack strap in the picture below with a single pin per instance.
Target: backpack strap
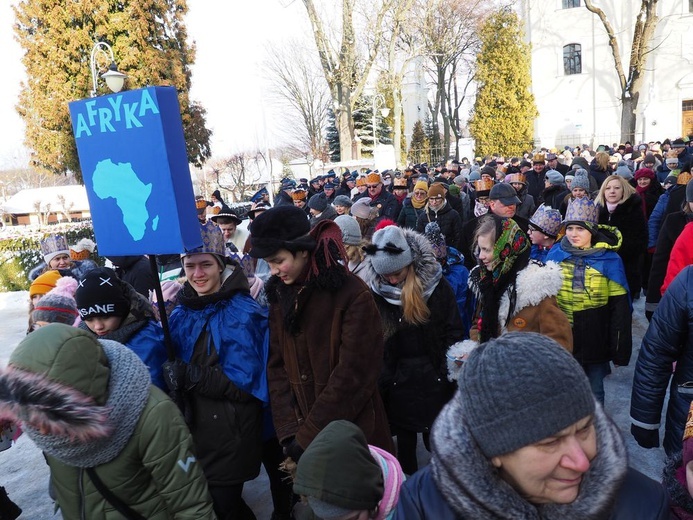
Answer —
(120, 506)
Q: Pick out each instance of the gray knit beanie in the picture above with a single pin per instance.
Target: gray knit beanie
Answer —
(624, 171)
(581, 180)
(390, 251)
(342, 200)
(318, 202)
(351, 232)
(520, 388)
(555, 178)
(58, 305)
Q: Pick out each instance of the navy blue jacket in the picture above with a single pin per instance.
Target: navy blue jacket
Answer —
(668, 339)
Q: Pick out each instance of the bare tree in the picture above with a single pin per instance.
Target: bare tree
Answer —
(66, 207)
(449, 33)
(347, 63)
(300, 88)
(241, 174)
(631, 80)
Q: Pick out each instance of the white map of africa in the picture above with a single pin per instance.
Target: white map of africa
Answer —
(120, 182)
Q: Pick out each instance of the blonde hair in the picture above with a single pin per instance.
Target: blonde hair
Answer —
(628, 190)
(602, 159)
(354, 253)
(414, 307)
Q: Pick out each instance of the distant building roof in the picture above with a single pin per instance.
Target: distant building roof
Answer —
(24, 201)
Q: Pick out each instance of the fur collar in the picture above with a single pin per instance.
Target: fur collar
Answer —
(473, 488)
(533, 284)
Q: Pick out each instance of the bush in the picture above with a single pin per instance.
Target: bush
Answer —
(12, 276)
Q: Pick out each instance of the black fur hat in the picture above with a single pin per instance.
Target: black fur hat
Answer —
(283, 227)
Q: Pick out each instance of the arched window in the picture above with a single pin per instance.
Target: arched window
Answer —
(572, 59)
(567, 4)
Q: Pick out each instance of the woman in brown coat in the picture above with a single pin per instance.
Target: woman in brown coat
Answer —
(514, 293)
(326, 341)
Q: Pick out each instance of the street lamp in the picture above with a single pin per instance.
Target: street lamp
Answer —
(378, 100)
(114, 79)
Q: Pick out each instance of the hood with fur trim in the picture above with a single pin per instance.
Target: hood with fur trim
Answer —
(533, 284)
(426, 267)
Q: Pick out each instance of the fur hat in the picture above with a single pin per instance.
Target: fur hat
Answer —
(351, 232)
(58, 305)
(52, 246)
(361, 208)
(318, 202)
(212, 242)
(44, 283)
(547, 219)
(102, 294)
(555, 178)
(342, 200)
(283, 227)
(581, 180)
(390, 251)
(549, 392)
(583, 212)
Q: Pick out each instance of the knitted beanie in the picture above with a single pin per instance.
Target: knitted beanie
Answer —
(44, 283)
(317, 202)
(581, 180)
(337, 472)
(342, 200)
(58, 305)
(351, 232)
(390, 251)
(361, 208)
(624, 171)
(102, 294)
(421, 185)
(555, 178)
(435, 237)
(436, 190)
(644, 172)
(521, 388)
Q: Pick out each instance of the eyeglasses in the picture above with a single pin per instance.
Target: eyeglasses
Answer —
(372, 186)
(439, 197)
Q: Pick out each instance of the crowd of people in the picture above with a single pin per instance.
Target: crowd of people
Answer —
(478, 305)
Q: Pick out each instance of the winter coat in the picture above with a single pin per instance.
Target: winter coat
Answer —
(527, 207)
(329, 213)
(668, 340)
(449, 221)
(462, 484)
(137, 271)
(155, 473)
(457, 276)
(283, 199)
(536, 309)
(387, 204)
(681, 255)
(671, 230)
(77, 271)
(651, 196)
(656, 220)
(226, 335)
(326, 365)
(630, 221)
(553, 196)
(600, 312)
(413, 383)
(535, 184)
(598, 174)
(409, 214)
(141, 334)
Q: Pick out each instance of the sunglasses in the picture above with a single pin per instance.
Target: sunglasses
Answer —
(372, 186)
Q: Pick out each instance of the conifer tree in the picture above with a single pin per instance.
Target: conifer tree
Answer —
(419, 146)
(148, 38)
(503, 117)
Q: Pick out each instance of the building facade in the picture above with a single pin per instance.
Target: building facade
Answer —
(574, 78)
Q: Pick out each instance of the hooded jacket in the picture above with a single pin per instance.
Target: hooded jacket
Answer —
(449, 221)
(92, 390)
(594, 296)
(226, 335)
(413, 383)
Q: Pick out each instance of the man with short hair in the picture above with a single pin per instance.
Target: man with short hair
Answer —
(387, 204)
(552, 163)
(535, 177)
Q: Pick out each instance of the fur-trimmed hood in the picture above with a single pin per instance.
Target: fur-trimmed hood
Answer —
(426, 267)
(533, 284)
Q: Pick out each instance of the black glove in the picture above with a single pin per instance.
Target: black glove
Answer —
(174, 374)
(208, 381)
(645, 438)
(293, 449)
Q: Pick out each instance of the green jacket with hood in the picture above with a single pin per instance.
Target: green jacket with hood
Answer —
(156, 473)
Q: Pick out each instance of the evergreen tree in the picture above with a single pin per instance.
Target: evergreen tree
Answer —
(149, 42)
(419, 147)
(332, 136)
(503, 116)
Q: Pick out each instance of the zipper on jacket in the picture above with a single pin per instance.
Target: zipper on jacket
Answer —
(81, 495)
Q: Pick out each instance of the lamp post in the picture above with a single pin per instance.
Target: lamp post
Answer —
(113, 78)
(378, 100)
